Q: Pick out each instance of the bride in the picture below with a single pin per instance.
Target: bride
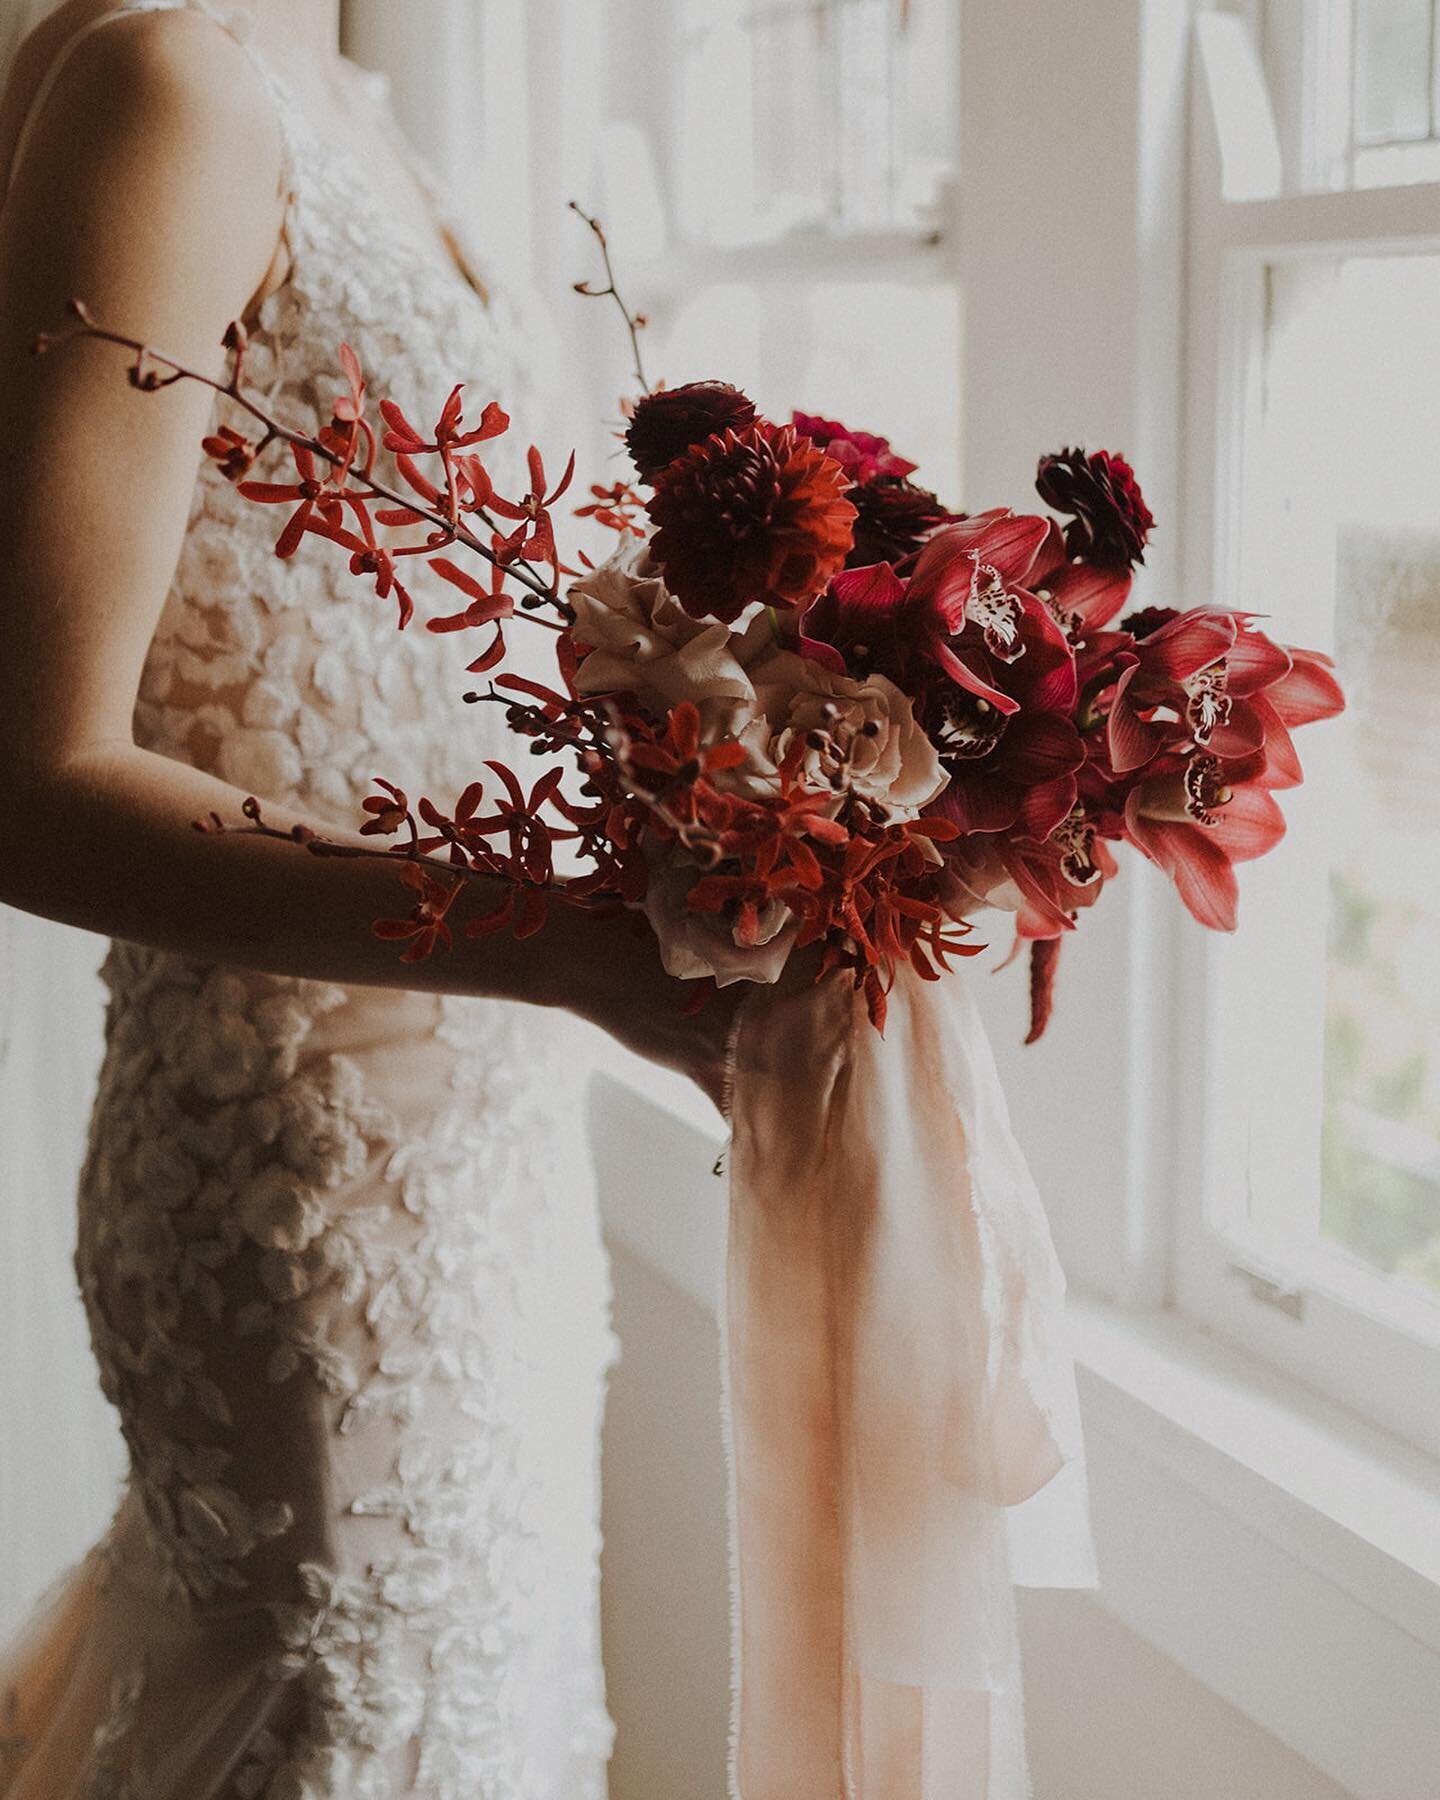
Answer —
(344, 1280)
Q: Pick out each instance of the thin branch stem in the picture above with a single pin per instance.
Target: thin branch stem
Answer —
(275, 431)
(634, 322)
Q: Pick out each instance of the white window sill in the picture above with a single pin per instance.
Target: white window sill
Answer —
(1313, 1539)
(1281, 1550)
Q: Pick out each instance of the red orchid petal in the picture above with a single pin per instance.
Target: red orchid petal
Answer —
(685, 729)
(1051, 559)
(1095, 594)
(1044, 806)
(1250, 824)
(402, 435)
(530, 913)
(497, 603)
(979, 800)
(477, 479)
(1040, 746)
(1241, 734)
(1009, 542)
(1198, 866)
(564, 482)
(268, 493)
(825, 654)
(1188, 644)
(494, 422)
(489, 657)
(1047, 672)
(724, 756)
(1310, 690)
(873, 591)
(1253, 661)
(449, 414)
(1280, 766)
(1130, 740)
(416, 477)
(965, 677)
(289, 540)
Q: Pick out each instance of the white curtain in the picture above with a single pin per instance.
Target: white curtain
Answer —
(60, 1455)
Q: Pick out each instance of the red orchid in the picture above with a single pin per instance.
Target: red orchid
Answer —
(967, 575)
(1081, 593)
(487, 606)
(677, 754)
(312, 495)
(1189, 817)
(425, 925)
(231, 450)
(1210, 678)
(449, 434)
(388, 811)
(534, 538)
(368, 556)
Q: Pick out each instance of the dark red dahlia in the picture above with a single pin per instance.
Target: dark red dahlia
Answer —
(751, 515)
(861, 454)
(1110, 523)
(668, 423)
(895, 519)
(1147, 619)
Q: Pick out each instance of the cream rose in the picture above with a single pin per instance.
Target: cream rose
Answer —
(645, 643)
(864, 729)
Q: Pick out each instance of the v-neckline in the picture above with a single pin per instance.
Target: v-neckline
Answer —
(446, 249)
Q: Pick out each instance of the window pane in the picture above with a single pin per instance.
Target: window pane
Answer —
(795, 113)
(1341, 1076)
(1354, 88)
(1392, 70)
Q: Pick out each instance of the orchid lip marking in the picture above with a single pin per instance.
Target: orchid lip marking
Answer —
(1207, 705)
(996, 611)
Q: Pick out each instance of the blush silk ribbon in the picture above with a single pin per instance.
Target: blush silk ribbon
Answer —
(902, 1432)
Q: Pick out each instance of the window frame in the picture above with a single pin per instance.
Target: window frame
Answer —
(1336, 1329)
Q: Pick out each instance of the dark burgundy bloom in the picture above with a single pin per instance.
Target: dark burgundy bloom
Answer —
(746, 516)
(1146, 619)
(1110, 523)
(895, 518)
(861, 454)
(667, 424)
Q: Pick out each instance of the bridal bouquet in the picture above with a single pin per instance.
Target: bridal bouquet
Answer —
(807, 702)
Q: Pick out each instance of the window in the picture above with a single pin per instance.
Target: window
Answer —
(1311, 1225)
(830, 112)
(793, 212)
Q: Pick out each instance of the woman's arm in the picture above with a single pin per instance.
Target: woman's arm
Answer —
(151, 188)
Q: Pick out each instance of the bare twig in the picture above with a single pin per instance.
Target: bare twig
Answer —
(634, 322)
(153, 370)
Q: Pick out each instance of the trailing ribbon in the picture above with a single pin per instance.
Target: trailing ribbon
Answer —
(897, 1384)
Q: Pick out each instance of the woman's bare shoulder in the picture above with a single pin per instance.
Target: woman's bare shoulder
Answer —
(150, 181)
(174, 65)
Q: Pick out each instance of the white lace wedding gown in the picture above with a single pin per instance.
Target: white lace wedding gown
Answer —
(339, 1247)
